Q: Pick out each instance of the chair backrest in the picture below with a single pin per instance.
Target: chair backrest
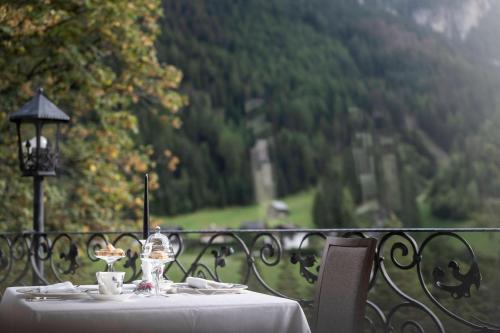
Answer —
(342, 288)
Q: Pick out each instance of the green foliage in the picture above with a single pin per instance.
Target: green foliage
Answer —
(333, 204)
(410, 214)
(95, 60)
(308, 63)
(454, 195)
(212, 170)
(472, 178)
(288, 282)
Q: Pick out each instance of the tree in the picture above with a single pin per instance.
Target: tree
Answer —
(410, 214)
(96, 60)
(333, 205)
(454, 194)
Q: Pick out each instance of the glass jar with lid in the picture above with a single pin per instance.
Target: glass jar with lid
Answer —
(157, 251)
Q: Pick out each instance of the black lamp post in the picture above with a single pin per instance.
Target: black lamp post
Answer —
(38, 132)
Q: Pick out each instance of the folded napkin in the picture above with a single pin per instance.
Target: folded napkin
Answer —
(199, 283)
(63, 287)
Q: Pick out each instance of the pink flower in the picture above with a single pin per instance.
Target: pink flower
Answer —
(145, 285)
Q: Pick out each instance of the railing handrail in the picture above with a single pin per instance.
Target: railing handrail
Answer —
(212, 231)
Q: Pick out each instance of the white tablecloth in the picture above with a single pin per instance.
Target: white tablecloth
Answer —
(248, 312)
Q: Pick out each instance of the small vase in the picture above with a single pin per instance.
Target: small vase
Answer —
(146, 271)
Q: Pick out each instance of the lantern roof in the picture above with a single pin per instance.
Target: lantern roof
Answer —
(39, 108)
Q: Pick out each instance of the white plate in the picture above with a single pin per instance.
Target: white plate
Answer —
(35, 292)
(185, 288)
(101, 297)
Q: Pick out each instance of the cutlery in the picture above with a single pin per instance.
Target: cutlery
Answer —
(42, 299)
(164, 295)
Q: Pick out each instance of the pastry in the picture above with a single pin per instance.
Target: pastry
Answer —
(110, 250)
(158, 255)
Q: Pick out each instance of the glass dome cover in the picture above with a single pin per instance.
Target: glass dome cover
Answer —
(156, 252)
(158, 248)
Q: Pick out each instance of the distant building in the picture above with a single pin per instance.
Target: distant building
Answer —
(278, 210)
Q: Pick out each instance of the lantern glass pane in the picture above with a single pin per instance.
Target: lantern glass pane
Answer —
(49, 132)
(28, 132)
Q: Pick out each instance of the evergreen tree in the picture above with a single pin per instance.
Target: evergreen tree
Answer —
(333, 205)
(410, 214)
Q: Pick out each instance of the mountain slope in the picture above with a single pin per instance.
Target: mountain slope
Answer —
(309, 64)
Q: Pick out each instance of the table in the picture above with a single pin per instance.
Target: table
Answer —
(247, 312)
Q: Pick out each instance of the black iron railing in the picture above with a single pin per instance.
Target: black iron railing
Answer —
(424, 280)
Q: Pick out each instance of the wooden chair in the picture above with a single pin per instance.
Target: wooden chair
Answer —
(342, 287)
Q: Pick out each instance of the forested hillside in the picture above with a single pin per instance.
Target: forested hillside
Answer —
(355, 98)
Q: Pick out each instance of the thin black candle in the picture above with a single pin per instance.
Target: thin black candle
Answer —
(145, 224)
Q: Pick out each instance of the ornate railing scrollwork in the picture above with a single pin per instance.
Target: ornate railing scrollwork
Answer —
(20, 252)
(95, 242)
(131, 260)
(421, 299)
(467, 280)
(407, 247)
(68, 255)
(307, 261)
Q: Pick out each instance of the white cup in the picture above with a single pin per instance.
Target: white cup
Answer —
(110, 283)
